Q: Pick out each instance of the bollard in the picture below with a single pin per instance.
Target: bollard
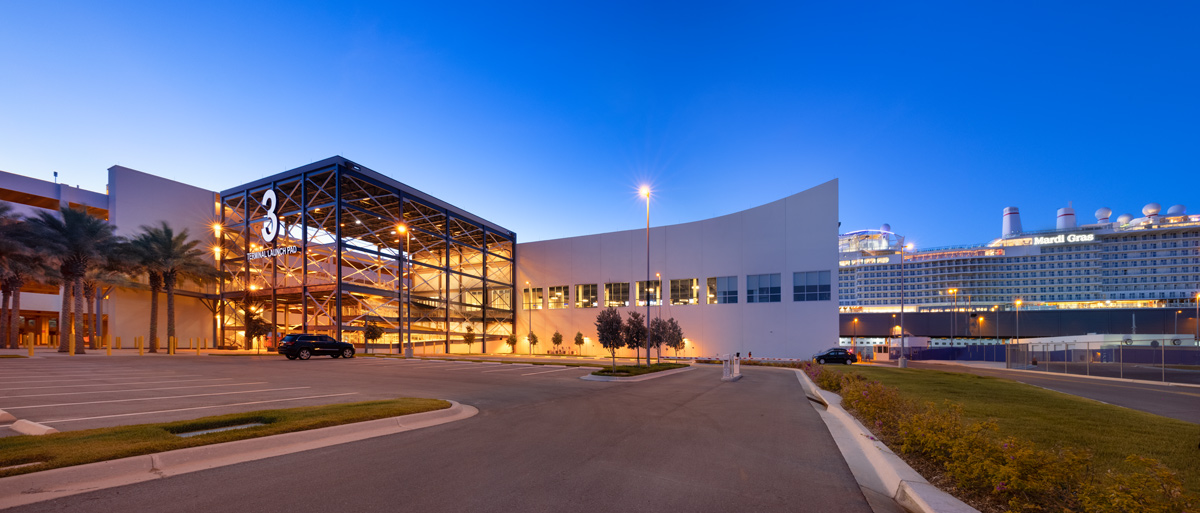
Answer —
(206, 342)
(30, 344)
(174, 344)
(107, 346)
(118, 342)
(138, 341)
(70, 346)
(196, 344)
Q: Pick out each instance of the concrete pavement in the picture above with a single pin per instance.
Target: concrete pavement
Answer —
(541, 442)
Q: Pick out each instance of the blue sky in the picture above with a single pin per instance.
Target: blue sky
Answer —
(544, 117)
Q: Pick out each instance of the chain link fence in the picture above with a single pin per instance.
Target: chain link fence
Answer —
(1153, 359)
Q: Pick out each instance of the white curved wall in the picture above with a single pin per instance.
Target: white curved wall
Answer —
(794, 234)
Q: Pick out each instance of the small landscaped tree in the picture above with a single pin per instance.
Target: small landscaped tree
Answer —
(674, 338)
(635, 335)
(610, 333)
(556, 339)
(469, 337)
(256, 327)
(658, 336)
(372, 333)
(512, 342)
(579, 341)
(533, 340)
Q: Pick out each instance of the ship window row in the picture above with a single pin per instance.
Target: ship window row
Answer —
(760, 288)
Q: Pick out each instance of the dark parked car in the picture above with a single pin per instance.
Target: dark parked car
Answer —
(835, 355)
(304, 346)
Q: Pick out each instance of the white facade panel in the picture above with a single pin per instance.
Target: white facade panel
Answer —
(795, 234)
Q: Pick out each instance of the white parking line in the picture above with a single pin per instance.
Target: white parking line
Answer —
(138, 389)
(97, 379)
(555, 370)
(427, 365)
(19, 377)
(116, 384)
(195, 408)
(149, 398)
(461, 367)
(510, 367)
(102, 376)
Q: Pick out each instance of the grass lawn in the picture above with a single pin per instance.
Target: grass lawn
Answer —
(79, 447)
(1049, 418)
(636, 370)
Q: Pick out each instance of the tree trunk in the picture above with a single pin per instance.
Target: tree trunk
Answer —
(5, 293)
(89, 291)
(64, 319)
(155, 283)
(169, 285)
(14, 317)
(77, 325)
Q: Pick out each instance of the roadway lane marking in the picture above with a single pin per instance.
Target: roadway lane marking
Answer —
(555, 370)
(471, 366)
(427, 365)
(97, 379)
(502, 370)
(149, 398)
(138, 389)
(115, 384)
(82, 376)
(197, 408)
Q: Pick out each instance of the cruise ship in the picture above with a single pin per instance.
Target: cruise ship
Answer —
(1152, 261)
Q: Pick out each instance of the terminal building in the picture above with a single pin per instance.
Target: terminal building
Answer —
(1117, 275)
(333, 247)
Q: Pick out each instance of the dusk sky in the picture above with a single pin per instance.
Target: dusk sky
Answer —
(544, 118)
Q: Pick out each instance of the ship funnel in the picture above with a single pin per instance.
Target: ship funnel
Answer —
(1066, 218)
(1012, 222)
(1103, 214)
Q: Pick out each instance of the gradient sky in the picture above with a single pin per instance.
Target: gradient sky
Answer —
(544, 118)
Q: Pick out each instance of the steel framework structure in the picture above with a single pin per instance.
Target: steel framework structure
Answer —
(340, 261)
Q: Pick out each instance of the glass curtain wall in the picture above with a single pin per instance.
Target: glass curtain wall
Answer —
(353, 247)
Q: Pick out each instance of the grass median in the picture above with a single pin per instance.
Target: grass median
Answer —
(636, 370)
(1050, 419)
(37, 453)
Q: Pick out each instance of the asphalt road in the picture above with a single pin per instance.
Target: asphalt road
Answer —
(1176, 402)
(544, 440)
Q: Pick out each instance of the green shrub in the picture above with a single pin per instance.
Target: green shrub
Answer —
(1008, 473)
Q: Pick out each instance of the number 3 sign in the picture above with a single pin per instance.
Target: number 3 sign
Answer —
(272, 226)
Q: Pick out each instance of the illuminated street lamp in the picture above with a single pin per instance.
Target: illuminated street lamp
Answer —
(405, 278)
(953, 315)
(645, 192)
(903, 248)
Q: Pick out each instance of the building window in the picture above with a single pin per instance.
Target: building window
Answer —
(616, 294)
(585, 296)
(763, 288)
(722, 290)
(649, 291)
(559, 297)
(685, 292)
(811, 286)
(533, 299)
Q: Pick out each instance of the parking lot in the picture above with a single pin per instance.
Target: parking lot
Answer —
(83, 392)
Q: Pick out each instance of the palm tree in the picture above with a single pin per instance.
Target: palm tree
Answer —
(175, 257)
(31, 263)
(84, 242)
(145, 258)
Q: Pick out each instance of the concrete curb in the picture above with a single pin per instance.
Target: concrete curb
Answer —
(6, 416)
(28, 427)
(876, 467)
(61, 482)
(633, 379)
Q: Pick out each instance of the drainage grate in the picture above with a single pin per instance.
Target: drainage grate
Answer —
(220, 429)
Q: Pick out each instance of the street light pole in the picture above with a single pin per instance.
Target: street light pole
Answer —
(953, 315)
(903, 360)
(854, 339)
(1177, 321)
(406, 282)
(529, 307)
(659, 295)
(646, 192)
(1017, 335)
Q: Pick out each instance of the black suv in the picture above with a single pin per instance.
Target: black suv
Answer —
(304, 346)
(835, 355)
